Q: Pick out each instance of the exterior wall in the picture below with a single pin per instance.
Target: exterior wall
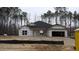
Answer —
(66, 34)
(58, 27)
(29, 31)
(50, 32)
(36, 33)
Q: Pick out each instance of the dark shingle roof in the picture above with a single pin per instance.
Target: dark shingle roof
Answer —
(40, 24)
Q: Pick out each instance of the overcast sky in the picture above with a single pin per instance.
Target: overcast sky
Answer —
(37, 11)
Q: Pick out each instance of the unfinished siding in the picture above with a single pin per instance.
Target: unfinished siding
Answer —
(29, 31)
(57, 28)
(50, 32)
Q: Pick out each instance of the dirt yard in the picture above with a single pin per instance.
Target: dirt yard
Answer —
(34, 47)
(68, 44)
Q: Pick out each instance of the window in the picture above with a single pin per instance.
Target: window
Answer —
(24, 32)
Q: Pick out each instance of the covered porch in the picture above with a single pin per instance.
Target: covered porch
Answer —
(39, 31)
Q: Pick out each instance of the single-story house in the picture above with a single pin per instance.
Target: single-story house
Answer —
(41, 28)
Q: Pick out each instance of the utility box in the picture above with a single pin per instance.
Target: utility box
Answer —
(77, 39)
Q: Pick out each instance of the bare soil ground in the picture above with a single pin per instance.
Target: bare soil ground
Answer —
(34, 47)
(68, 44)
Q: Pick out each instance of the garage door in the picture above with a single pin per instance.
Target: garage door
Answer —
(58, 33)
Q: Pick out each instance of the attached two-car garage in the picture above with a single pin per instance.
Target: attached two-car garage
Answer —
(57, 31)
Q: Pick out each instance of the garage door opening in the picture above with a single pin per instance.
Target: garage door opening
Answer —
(58, 33)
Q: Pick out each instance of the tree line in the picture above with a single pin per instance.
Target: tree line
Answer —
(66, 18)
(11, 19)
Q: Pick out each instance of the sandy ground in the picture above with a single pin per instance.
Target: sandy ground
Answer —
(68, 44)
(34, 47)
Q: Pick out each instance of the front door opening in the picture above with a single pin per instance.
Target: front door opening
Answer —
(58, 33)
